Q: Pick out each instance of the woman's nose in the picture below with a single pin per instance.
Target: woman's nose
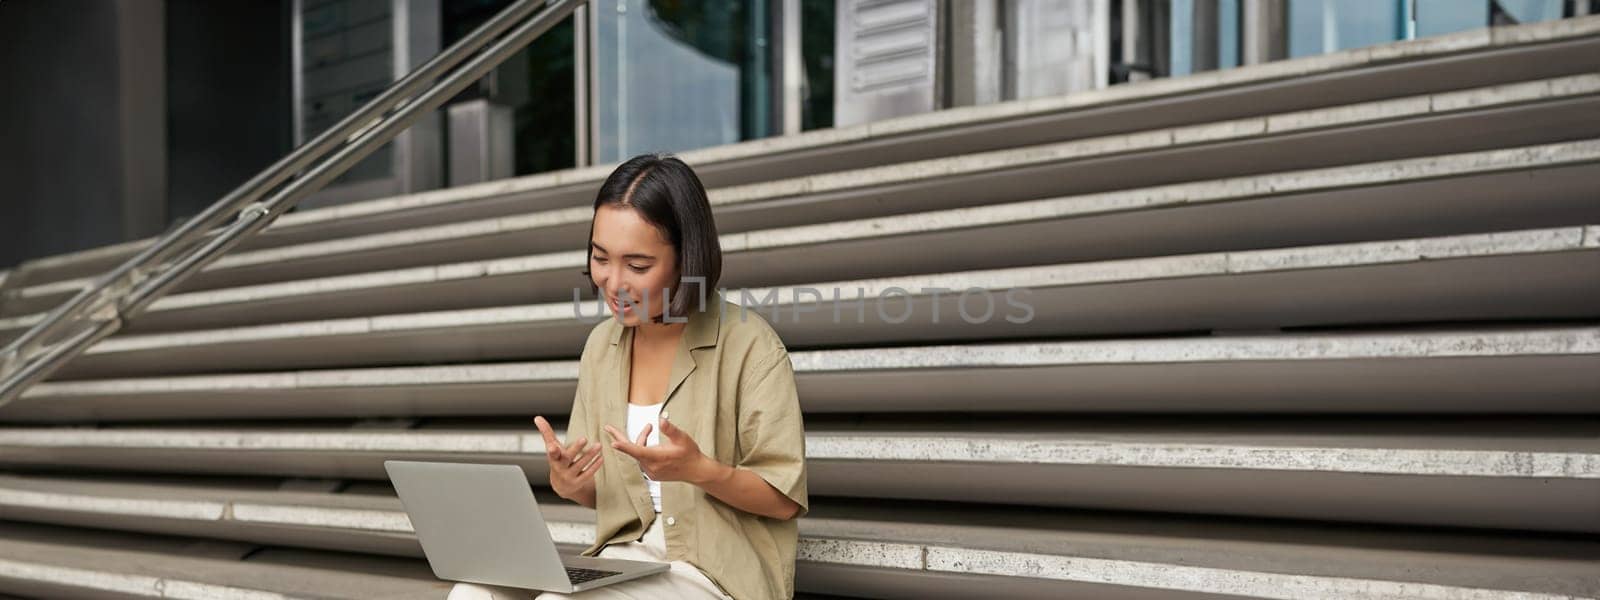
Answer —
(609, 280)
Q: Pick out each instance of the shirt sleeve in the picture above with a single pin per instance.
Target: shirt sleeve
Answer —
(578, 425)
(578, 418)
(772, 440)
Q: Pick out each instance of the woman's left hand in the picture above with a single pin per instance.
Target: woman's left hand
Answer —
(675, 457)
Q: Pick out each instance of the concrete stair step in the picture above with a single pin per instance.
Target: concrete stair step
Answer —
(1445, 196)
(1542, 274)
(877, 549)
(1252, 90)
(1478, 120)
(1481, 370)
(39, 561)
(1512, 473)
(1510, 115)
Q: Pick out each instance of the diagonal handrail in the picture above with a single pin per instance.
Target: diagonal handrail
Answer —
(100, 309)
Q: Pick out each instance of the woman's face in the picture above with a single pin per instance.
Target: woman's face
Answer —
(628, 255)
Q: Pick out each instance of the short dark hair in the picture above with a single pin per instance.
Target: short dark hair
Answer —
(668, 195)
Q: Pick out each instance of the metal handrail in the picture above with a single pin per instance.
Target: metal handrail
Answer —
(124, 292)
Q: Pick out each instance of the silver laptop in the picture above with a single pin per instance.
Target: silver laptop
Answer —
(481, 524)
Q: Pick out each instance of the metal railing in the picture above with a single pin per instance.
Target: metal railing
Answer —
(123, 293)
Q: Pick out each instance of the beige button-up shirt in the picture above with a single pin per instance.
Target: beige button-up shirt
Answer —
(732, 389)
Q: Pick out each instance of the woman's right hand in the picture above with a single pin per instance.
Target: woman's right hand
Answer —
(572, 467)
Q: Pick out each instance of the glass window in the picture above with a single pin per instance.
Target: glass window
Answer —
(818, 21)
(1182, 32)
(1227, 34)
(1323, 26)
(1438, 17)
(1531, 11)
(346, 60)
(673, 75)
(536, 83)
(1180, 37)
(1193, 49)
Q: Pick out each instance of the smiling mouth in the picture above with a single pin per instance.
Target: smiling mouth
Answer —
(616, 306)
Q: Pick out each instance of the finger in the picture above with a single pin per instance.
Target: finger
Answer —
(586, 453)
(621, 443)
(644, 454)
(644, 435)
(549, 434)
(575, 447)
(669, 430)
(593, 465)
(627, 448)
(616, 436)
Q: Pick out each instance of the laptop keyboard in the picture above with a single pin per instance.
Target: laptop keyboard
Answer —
(580, 575)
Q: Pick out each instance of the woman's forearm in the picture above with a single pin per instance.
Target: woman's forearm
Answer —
(745, 490)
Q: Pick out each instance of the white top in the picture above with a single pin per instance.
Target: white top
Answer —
(638, 416)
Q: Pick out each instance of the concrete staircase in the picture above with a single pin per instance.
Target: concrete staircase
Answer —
(1322, 328)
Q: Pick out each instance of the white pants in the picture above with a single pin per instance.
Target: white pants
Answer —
(683, 581)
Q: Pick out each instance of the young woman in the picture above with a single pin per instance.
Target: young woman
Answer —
(685, 434)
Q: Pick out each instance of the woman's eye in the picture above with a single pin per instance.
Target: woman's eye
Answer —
(638, 269)
(600, 260)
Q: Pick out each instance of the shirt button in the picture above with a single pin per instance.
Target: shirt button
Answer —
(672, 521)
(663, 414)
